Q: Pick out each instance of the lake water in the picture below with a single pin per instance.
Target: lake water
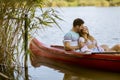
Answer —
(103, 24)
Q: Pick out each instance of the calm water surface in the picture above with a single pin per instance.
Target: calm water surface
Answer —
(103, 24)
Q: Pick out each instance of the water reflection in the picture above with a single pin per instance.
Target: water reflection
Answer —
(72, 72)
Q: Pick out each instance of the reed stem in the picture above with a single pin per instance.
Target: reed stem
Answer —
(26, 46)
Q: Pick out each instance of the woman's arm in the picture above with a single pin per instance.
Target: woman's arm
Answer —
(81, 42)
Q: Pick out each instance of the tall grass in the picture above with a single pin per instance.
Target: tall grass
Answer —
(17, 21)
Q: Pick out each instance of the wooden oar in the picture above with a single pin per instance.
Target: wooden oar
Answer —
(106, 53)
(62, 47)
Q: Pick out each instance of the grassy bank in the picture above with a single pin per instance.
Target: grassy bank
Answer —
(68, 3)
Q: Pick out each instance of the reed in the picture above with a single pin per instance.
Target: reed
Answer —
(15, 28)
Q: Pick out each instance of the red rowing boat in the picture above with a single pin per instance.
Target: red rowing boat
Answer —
(108, 61)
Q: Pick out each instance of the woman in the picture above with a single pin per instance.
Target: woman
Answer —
(89, 44)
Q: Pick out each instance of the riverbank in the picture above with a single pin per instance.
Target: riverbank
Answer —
(69, 3)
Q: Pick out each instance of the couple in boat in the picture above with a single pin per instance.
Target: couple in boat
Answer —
(79, 39)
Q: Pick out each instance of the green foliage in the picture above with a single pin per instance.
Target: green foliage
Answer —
(70, 0)
(85, 3)
(58, 3)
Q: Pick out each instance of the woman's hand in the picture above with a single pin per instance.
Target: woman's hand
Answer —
(91, 46)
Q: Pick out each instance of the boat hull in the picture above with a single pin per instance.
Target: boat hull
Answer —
(101, 61)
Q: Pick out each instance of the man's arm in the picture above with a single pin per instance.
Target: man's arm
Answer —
(69, 47)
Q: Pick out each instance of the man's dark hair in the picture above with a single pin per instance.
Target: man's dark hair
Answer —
(78, 22)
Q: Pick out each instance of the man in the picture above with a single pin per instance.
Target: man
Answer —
(71, 38)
